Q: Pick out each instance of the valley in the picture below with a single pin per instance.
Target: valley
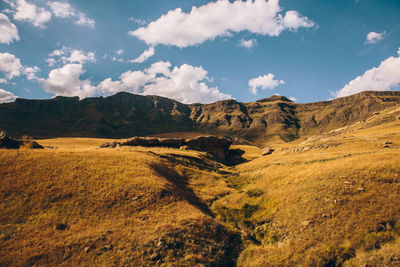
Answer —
(324, 199)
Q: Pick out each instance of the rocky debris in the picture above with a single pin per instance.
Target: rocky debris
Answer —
(12, 143)
(101, 237)
(214, 145)
(155, 256)
(104, 249)
(240, 141)
(305, 223)
(320, 146)
(214, 244)
(387, 144)
(267, 151)
(60, 226)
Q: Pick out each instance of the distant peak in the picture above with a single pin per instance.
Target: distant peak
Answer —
(275, 98)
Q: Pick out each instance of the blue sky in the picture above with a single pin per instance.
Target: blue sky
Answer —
(309, 50)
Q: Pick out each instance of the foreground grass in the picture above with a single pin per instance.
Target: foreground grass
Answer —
(105, 207)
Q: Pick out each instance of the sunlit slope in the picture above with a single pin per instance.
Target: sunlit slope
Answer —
(328, 200)
(118, 207)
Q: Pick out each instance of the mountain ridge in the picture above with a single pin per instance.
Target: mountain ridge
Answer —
(125, 115)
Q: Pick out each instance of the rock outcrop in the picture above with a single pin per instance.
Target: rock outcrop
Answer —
(217, 146)
(214, 145)
(147, 142)
(11, 143)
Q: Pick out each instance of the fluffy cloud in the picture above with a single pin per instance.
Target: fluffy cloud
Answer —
(6, 96)
(264, 82)
(187, 84)
(39, 16)
(66, 81)
(25, 11)
(144, 56)
(249, 44)
(82, 19)
(384, 77)
(220, 18)
(78, 56)
(62, 9)
(374, 37)
(10, 65)
(8, 31)
(67, 55)
(31, 73)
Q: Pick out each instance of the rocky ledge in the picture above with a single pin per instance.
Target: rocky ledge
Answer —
(216, 146)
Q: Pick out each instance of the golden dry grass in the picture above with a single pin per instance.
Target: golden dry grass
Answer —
(322, 206)
(325, 200)
(124, 198)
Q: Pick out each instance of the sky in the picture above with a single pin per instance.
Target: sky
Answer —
(198, 51)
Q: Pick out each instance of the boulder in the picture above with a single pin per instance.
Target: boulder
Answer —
(267, 151)
(3, 135)
(216, 146)
(11, 143)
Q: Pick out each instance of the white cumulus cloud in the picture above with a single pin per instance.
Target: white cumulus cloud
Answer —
(65, 81)
(249, 44)
(145, 55)
(220, 18)
(8, 30)
(6, 96)
(39, 13)
(374, 37)
(264, 82)
(10, 65)
(384, 77)
(25, 11)
(186, 83)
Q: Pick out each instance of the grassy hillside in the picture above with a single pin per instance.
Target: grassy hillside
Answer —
(330, 199)
(82, 206)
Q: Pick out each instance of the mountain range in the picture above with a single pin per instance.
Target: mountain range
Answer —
(125, 115)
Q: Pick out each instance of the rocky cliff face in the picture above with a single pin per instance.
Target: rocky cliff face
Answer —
(125, 115)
